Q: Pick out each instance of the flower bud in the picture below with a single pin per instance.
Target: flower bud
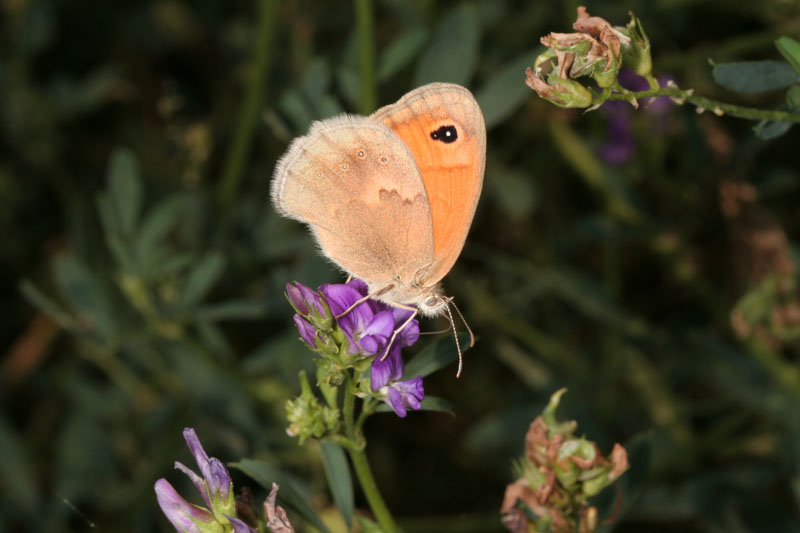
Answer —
(607, 76)
(310, 305)
(307, 416)
(559, 91)
(636, 54)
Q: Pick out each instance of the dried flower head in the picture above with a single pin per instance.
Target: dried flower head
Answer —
(557, 476)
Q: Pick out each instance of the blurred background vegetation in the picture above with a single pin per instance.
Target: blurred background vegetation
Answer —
(644, 260)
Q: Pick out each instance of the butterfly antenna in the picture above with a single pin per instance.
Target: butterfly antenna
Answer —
(471, 335)
(455, 334)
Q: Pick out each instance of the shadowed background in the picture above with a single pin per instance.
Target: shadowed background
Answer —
(644, 260)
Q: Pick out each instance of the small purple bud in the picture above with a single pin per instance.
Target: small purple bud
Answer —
(216, 484)
(182, 514)
(305, 300)
(307, 331)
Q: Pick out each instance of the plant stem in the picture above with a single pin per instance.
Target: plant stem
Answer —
(361, 465)
(249, 113)
(371, 492)
(366, 56)
(715, 106)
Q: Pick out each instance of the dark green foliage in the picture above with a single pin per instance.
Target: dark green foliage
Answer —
(634, 285)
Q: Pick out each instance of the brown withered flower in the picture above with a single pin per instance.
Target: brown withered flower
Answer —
(557, 476)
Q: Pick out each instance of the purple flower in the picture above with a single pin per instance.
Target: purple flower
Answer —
(400, 395)
(304, 300)
(621, 141)
(406, 395)
(368, 326)
(216, 484)
(307, 331)
(182, 514)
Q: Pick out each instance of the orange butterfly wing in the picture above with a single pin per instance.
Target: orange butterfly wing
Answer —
(444, 129)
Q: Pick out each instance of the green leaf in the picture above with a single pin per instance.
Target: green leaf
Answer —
(769, 129)
(337, 471)
(400, 52)
(46, 305)
(790, 50)
(451, 54)
(158, 221)
(505, 92)
(435, 356)
(125, 188)
(748, 77)
(212, 336)
(201, 278)
(793, 98)
(430, 403)
(85, 292)
(232, 310)
(289, 495)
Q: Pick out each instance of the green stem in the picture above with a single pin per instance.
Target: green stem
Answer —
(715, 106)
(370, 488)
(249, 113)
(366, 56)
(361, 465)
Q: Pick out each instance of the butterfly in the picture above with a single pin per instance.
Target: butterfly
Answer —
(390, 198)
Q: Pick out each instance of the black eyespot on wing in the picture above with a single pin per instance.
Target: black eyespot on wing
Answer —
(446, 134)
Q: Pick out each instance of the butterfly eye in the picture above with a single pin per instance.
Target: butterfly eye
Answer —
(446, 134)
(432, 301)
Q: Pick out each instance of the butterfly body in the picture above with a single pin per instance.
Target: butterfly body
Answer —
(389, 198)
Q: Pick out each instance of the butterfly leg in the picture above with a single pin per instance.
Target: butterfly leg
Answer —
(364, 299)
(402, 326)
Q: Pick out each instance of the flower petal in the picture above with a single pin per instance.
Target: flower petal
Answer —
(412, 389)
(304, 299)
(296, 298)
(358, 285)
(408, 393)
(182, 514)
(340, 297)
(381, 324)
(388, 370)
(395, 401)
(307, 331)
(197, 481)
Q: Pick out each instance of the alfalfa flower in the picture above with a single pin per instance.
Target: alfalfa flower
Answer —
(386, 381)
(216, 489)
(186, 517)
(367, 325)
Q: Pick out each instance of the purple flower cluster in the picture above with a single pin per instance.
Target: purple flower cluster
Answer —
(621, 143)
(215, 487)
(367, 329)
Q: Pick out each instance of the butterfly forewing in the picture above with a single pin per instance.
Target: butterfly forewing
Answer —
(444, 129)
(356, 185)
